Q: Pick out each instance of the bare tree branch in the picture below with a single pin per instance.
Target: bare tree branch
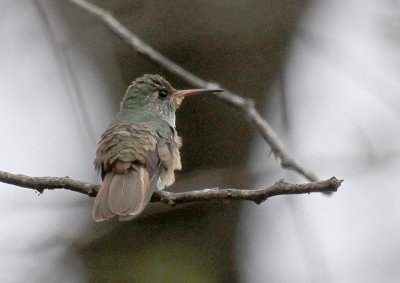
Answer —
(48, 183)
(258, 196)
(245, 106)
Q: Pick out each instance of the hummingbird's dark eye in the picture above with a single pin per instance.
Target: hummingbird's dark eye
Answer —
(162, 94)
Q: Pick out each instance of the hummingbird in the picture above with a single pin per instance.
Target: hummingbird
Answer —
(139, 151)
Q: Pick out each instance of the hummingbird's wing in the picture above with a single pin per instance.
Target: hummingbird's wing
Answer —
(169, 158)
(135, 160)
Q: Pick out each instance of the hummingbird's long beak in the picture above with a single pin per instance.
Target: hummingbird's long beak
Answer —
(190, 92)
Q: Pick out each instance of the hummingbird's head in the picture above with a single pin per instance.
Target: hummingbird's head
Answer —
(155, 94)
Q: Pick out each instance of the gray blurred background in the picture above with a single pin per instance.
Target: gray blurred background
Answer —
(324, 73)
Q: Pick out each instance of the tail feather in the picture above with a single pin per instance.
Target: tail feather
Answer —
(142, 197)
(101, 210)
(124, 192)
(125, 195)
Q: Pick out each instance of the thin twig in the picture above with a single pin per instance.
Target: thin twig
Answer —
(279, 188)
(246, 106)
